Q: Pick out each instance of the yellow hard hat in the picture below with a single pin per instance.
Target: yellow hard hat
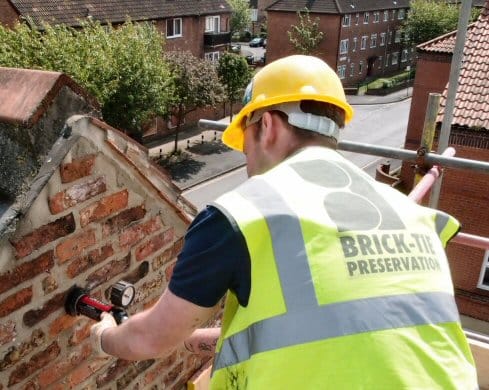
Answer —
(289, 79)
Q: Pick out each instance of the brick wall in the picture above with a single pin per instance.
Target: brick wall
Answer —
(8, 15)
(96, 222)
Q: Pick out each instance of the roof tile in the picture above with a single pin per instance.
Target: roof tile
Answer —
(338, 6)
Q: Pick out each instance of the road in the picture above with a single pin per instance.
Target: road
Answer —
(382, 124)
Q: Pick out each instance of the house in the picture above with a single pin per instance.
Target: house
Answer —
(80, 204)
(465, 194)
(259, 15)
(361, 38)
(199, 26)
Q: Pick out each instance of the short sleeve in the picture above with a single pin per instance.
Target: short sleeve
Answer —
(214, 259)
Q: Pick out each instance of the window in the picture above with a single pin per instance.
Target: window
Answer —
(352, 69)
(376, 16)
(484, 275)
(363, 45)
(386, 16)
(360, 67)
(174, 28)
(366, 16)
(404, 55)
(395, 58)
(357, 17)
(341, 71)
(354, 48)
(397, 38)
(389, 38)
(387, 57)
(393, 14)
(212, 24)
(382, 39)
(212, 56)
(344, 46)
(346, 20)
(380, 62)
(373, 40)
(400, 14)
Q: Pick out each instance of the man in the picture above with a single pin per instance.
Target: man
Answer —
(333, 280)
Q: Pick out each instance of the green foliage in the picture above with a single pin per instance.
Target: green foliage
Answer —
(234, 74)
(240, 18)
(428, 19)
(195, 85)
(306, 36)
(123, 68)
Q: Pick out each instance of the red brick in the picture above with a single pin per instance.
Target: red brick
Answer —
(74, 246)
(49, 284)
(136, 233)
(76, 194)
(15, 301)
(43, 235)
(77, 168)
(32, 317)
(80, 333)
(154, 244)
(7, 332)
(173, 375)
(26, 271)
(122, 220)
(104, 207)
(159, 369)
(96, 256)
(62, 323)
(169, 271)
(163, 258)
(84, 371)
(108, 271)
(36, 362)
(19, 351)
(115, 370)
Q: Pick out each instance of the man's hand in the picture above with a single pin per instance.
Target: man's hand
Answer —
(96, 331)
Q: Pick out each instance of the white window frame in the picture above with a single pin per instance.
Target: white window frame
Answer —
(397, 37)
(352, 69)
(393, 14)
(341, 71)
(357, 16)
(212, 56)
(346, 20)
(484, 271)
(387, 59)
(401, 14)
(360, 67)
(404, 55)
(380, 62)
(373, 40)
(344, 43)
(389, 38)
(363, 44)
(211, 22)
(175, 22)
(376, 17)
(395, 58)
(366, 17)
(354, 46)
(386, 16)
(382, 39)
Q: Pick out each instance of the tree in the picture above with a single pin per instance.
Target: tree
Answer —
(428, 19)
(305, 36)
(234, 74)
(196, 85)
(123, 68)
(240, 18)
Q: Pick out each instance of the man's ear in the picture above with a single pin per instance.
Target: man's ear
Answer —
(268, 130)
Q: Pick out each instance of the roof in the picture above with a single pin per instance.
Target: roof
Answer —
(114, 11)
(472, 97)
(337, 6)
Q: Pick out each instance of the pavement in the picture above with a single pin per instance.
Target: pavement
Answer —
(202, 156)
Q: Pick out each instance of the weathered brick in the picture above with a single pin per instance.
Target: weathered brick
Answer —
(80, 333)
(169, 271)
(96, 256)
(62, 323)
(149, 288)
(77, 168)
(77, 194)
(74, 246)
(162, 259)
(173, 375)
(108, 271)
(15, 301)
(26, 271)
(136, 233)
(115, 370)
(7, 332)
(49, 284)
(159, 369)
(154, 244)
(104, 207)
(18, 352)
(36, 362)
(32, 317)
(43, 235)
(132, 373)
(60, 369)
(123, 219)
(84, 371)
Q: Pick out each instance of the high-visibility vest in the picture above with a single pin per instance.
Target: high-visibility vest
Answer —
(350, 285)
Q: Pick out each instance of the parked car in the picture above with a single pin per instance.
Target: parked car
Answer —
(236, 48)
(257, 42)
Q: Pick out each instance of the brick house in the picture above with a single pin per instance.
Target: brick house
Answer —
(259, 14)
(464, 193)
(80, 203)
(361, 38)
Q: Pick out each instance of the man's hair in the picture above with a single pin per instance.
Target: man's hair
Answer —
(321, 109)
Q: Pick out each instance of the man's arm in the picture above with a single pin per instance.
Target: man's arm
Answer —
(153, 332)
(203, 341)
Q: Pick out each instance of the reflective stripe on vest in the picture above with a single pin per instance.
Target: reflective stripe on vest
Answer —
(306, 321)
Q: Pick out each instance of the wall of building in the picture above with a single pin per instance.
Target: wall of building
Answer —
(8, 15)
(97, 221)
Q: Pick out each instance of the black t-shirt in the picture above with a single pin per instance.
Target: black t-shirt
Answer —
(214, 259)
